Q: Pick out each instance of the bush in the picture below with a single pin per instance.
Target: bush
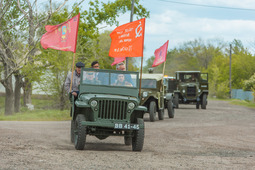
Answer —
(222, 91)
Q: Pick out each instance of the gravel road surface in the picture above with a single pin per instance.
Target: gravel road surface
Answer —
(220, 137)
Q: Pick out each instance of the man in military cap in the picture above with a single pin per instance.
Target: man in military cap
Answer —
(76, 80)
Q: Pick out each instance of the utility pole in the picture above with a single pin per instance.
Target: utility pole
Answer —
(131, 20)
(230, 88)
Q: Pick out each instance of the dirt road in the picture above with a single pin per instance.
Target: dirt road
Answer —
(220, 137)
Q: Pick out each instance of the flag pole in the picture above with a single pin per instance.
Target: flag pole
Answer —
(72, 73)
(163, 73)
(141, 72)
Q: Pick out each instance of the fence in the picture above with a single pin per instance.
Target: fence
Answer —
(242, 95)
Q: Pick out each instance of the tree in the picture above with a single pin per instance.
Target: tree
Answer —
(18, 45)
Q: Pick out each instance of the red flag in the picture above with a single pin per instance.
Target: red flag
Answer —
(128, 40)
(118, 60)
(62, 36)
(160, 55)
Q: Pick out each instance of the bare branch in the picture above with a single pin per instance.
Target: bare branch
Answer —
(50, 13)
(3, 12)
(25, 14)
(74, 8)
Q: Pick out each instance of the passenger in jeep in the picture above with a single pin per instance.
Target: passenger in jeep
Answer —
(121, 81)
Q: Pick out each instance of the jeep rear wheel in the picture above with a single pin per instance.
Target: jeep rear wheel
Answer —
(138, 138)
(170, 109)
(72, 131)
(80, 132)
(176, 100)
(204, 101)
(152, 111)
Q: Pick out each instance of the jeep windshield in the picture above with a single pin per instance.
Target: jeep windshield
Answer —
(110, 82)
(99, 78)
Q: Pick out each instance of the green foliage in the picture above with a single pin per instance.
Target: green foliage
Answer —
(222, 91)
(249, 84)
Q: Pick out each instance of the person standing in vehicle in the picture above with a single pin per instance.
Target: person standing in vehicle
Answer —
(122, 67)
(76, 80)
(101, 76)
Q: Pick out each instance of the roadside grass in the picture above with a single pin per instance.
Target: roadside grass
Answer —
(245, 103)
(43, 111)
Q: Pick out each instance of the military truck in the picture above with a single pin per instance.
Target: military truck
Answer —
(107, 107)
(152, 95)
(169, 86)
(191, 88)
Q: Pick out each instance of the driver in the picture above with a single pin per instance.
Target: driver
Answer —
(90, 78)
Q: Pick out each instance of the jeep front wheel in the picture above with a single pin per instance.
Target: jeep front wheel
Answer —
(80, 132)
(138, 138)
(152, 111)
(176, 100)
(170, 109)
(204, 101)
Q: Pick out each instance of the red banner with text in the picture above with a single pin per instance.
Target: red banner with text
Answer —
(128, 40)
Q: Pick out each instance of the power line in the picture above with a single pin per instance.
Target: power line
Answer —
(209, 6)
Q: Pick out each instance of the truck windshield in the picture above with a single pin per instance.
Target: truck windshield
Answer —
(149, 84)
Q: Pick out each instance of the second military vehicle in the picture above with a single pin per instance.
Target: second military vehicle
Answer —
(152, 95)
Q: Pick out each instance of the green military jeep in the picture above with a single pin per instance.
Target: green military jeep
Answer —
(152, 95)
(191, 88)
(107, 105)
(169, 86)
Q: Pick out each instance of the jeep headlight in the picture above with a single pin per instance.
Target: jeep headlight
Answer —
(183, 91)
(198, 90)
(93, 103)
(131, 105)
(145, 94)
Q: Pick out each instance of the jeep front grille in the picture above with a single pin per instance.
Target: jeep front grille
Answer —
(191, 91)
(112, 109)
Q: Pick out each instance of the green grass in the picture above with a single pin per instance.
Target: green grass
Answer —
(245, 103)
(44, 111)
(38, 115)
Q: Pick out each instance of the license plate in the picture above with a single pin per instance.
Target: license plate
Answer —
(126, 126)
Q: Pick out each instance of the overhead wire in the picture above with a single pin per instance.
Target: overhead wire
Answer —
(209, 6)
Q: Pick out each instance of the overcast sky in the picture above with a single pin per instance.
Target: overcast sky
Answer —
(171, 20)
(180, 23)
